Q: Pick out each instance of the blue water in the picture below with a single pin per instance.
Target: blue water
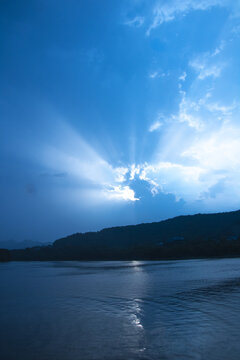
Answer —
(120, 310)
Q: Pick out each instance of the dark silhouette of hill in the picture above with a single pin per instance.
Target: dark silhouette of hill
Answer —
(12, 244)
(201, 235)
(4, 255)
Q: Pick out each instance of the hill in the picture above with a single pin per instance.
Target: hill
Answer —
(201, 235)
(12, 244)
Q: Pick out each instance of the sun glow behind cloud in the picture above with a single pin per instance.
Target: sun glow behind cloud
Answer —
(189, 169)
(74, 156)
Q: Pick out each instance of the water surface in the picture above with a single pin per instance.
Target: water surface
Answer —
(120, 310)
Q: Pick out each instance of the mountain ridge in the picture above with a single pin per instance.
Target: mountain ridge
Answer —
(184, 236)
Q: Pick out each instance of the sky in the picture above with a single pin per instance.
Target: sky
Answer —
(116, 113)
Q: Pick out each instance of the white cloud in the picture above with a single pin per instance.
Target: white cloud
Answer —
(207, 162)
(153, 75)
(120, 193)
(157, 74)
(183, 76)
(120, 174)
(158, 123)
(219, 48)
(203, 113)
(166, 11)
(155, 126)
(189, 113)
(192, 121)
(181, 180)
(205, 69)
(223, 110)
(218, 151)
(134, 171)
(137, 21)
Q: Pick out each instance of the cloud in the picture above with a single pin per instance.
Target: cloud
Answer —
(155, 126)
(181, 180)
(222, 112)
(166, 11)
(183, 76)
(210, 163)
(120, 174)
(189, 113)
(218, 151)
(203, 113)
(153, 75)
(186, 116)
(137, 21)
(134, 171)
(158, 123)
(120, 193)
(219, 48)
(157, 74)
(205, 69)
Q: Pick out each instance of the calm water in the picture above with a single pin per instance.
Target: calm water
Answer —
(120, 310)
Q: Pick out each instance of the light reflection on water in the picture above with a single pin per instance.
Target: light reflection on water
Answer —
(172, 310)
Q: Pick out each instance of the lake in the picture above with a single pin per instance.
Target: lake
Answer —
(120, 310)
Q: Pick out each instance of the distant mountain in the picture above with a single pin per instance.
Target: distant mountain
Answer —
(201, 235)
(12, 244)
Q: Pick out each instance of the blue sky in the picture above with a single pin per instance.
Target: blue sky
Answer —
(116, 112)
